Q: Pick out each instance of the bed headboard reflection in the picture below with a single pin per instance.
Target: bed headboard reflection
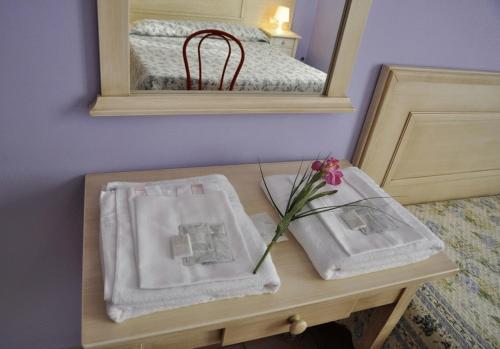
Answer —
(249, 12)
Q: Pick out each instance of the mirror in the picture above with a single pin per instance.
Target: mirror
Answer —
(287, 56)
(286, 45)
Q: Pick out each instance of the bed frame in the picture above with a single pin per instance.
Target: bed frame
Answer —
(433, 134)
(250, 12)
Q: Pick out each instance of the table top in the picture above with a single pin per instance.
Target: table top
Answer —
(280, 34)
(301, 284)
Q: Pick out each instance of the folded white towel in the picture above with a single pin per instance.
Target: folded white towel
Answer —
(158, 219)
(356, 186)
(331, 259)
(122, 293)
(108, 240)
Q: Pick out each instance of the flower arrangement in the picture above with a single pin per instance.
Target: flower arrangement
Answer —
(305, 190)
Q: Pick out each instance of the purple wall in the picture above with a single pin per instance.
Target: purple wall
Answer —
(322, 40)
(303, 24)
(49, 70)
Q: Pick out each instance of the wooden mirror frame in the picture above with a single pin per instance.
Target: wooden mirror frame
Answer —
(117, 99)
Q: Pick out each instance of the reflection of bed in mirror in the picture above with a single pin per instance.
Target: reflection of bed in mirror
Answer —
(159, 29)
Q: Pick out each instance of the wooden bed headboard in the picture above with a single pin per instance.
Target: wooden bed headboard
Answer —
(249, 12)
(433, 134)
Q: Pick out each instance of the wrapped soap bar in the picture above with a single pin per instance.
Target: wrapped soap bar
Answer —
(181, 246)
(210, 244)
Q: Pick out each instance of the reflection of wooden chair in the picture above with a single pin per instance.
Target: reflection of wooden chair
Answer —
(212, 33)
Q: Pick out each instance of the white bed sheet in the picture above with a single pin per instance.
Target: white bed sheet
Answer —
(157, 64)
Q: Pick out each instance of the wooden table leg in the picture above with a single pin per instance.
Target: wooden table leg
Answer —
(385, 319)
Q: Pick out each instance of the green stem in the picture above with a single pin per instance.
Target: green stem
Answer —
(261, 260)
(292, 210)
(280, 229)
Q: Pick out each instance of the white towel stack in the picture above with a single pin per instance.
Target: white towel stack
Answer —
(338, 251)
(141, 276)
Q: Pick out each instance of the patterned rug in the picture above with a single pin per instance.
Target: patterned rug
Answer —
(461, 311)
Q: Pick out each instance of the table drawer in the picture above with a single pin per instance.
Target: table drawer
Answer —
(277, 322)
(126, 346)
(181, 340)
(377, 299)
(186, 340)
(282, 42)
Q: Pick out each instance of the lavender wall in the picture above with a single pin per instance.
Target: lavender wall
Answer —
(303, 24)
(322, 39)
(49, 73)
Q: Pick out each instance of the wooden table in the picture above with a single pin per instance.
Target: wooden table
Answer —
(226, 322)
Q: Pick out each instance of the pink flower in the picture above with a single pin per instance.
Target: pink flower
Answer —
(334, 176)
(331, 163)
(330, 168)
(326, 165)
(316, 165)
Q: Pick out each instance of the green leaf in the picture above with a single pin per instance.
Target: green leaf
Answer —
(331, 208)
(320, 195)
(294, 189)
(267, 190)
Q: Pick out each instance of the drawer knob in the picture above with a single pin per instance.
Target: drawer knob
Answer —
(297, 325)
